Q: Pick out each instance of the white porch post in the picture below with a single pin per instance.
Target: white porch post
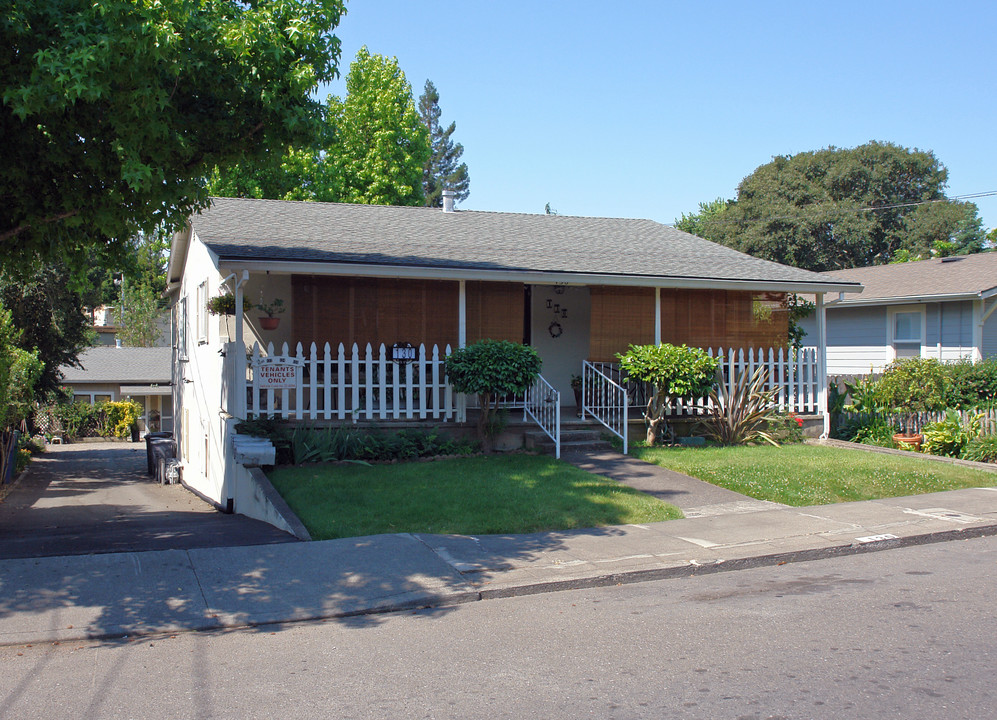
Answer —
(462, 314)
(657, 316)
(239, 366)
(462, 341)
(822, 364)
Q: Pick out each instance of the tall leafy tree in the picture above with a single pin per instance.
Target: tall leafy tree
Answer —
(841, 208)
(19, 371)
(50, 318)
(441, 171)
(699, 223)
(380, 145)
(114, 112)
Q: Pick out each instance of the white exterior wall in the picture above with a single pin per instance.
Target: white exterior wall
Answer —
(562, 355)
(990, 335)
(856, 339)
(949, 330)
(198, 385)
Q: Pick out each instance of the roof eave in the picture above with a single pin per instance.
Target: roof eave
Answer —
(179, 245)
(538, 277)
(912, 299)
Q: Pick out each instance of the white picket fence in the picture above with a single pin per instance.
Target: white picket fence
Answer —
(792, 375)
(366, 384)
(356, 384)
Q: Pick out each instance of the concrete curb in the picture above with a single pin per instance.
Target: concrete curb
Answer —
(444, 599)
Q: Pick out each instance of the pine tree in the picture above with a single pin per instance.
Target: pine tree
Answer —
(441, 172)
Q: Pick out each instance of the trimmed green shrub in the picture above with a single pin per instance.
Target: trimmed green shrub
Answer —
(911, 386)
(491, 369)
(971, 385)
(675, 371)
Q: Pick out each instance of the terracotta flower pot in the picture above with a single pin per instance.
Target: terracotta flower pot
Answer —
(913, 440)
(269, 323)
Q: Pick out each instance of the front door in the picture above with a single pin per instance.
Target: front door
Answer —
(560, 334)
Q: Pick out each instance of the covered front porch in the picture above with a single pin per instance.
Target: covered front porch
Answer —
(372, 349)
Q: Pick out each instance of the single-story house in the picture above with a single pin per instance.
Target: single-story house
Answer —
(940, 308)
(108, 373)
(376, 296)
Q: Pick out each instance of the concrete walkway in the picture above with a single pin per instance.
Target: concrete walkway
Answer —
(97, 498)
(148, 593)
(694, 497)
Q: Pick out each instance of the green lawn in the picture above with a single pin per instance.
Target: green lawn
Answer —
(481, 495)
(809, 475)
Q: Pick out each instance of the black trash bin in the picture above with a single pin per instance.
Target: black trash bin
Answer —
(151, 441)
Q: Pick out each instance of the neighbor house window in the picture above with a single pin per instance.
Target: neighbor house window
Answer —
(907, 329)
(91, 398)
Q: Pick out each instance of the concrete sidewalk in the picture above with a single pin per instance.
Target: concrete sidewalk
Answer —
(148, 593)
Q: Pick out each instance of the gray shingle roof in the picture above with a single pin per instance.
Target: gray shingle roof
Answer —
(125, 365)
(962, 275)
(427, 237)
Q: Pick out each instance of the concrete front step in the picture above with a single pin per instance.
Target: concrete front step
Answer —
(587, 439)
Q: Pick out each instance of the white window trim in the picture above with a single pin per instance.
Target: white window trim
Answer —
(183, 328)
(891, 324)
(202, 313)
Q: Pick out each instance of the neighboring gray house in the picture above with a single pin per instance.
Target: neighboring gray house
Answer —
(940, 308)
(119, 373)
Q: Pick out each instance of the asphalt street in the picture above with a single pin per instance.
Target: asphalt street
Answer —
(903, 633)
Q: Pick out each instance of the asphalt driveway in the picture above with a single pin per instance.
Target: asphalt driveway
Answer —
(96, 498)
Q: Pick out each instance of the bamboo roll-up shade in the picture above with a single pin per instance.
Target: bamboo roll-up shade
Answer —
(494, 311)
(620, 317)
(374, 310)
(723, 318)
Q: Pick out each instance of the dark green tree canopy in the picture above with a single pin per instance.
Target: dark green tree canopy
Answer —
(841, 208)
(115, 111)
(49, 316)
(441, 171)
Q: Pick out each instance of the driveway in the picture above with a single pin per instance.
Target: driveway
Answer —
(96, 498)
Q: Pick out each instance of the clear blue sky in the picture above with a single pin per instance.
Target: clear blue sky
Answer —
(644, 109)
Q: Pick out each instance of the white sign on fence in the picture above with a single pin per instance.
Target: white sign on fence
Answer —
(278, 372)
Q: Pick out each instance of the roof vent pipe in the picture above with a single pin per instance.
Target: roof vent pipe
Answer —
(448, 196)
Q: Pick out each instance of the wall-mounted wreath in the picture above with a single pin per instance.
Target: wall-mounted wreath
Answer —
(555, 329)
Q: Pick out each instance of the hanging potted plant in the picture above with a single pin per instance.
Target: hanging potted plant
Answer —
(224, 304)
(269, 322)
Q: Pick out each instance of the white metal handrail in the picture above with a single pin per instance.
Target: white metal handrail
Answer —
(606, 400)
(543, 405)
